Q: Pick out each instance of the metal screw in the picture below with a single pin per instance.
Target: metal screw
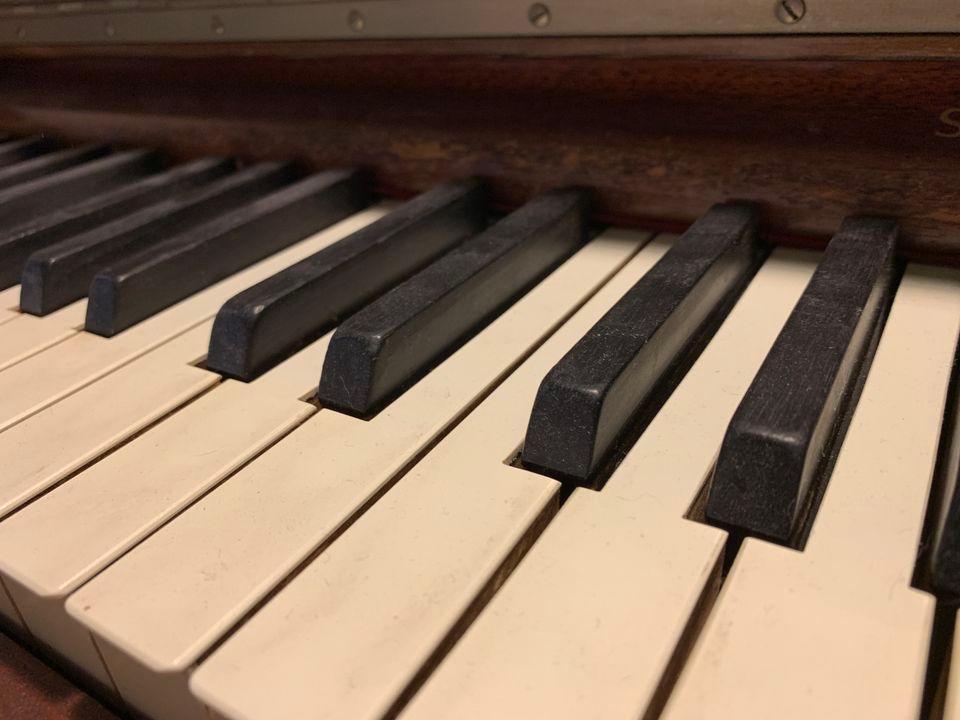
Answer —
(21, 32)
(216, 24)
(356, 21)
(790, 11)
(539, 15)
(108, 29)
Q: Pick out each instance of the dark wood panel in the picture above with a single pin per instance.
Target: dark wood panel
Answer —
(812, 128)
(31, 690)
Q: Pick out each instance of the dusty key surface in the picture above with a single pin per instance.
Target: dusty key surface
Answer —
(590, 618)
(397, 338)
(790, 418)
(330, 467)
(51, 375)
(587, 399)
(837, 630)
(282, 313)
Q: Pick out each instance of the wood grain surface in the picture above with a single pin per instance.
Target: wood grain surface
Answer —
(814, 129)
(31, 690)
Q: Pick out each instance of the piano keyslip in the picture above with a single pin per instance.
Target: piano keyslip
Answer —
(840, 619)
(200, 575)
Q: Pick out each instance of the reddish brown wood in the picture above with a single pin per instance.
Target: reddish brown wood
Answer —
(813, 128)
(31, 690)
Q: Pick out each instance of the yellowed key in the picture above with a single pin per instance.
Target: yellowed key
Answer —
(9, 304)
(50, 445)
(49, 376)
(203, 572)
(387, 594)
(837, 630)
(27, 335)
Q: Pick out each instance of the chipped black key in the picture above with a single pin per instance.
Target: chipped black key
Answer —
(137, 287)
(59, 274)
(261, 325)
(51, 162)
(396, 339)
(55, 225)
(26, 201)
(788, 421)
(587, 400)
(14, 151)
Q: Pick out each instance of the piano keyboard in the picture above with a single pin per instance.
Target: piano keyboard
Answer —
(274, 449)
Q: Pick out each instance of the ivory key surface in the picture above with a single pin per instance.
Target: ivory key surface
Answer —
(836, 630)
(26, 335)
(203, 572)
(392, 586)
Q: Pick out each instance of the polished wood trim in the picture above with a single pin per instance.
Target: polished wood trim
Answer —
(814, 128)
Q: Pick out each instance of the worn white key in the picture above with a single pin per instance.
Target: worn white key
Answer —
(51, 375)
(951, 703)
(9, 304)
(837, 630)
(385, 595)
(108, 508)
(47, 447)
(199, 575)
(504, 502)
(27, 335)
(592, 615)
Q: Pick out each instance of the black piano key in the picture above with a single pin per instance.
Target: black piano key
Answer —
(943, 571)
(59, 274)
(51, 162)
(23, 202)
(787, 422)
(587, 400)
(55, 225)
(136, 288)
(396, 339)
(14, 151)
(281, 314)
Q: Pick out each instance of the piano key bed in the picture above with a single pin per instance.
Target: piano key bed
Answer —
(272, 448)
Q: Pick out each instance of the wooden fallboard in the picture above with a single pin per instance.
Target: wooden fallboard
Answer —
(814, 128)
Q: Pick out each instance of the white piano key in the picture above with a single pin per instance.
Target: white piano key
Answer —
(27, 335)
(837, 630)
(51, 375)
(951, 702)
(9, 304)
(114, 504)
(47, 447)
(204, 571)
(446, 527)
(385, 596)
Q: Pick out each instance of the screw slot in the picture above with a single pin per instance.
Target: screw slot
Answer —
(216, 25)
(790, 11)
(21, 32)
(539, 15)
(356, 21)
(108, 29)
